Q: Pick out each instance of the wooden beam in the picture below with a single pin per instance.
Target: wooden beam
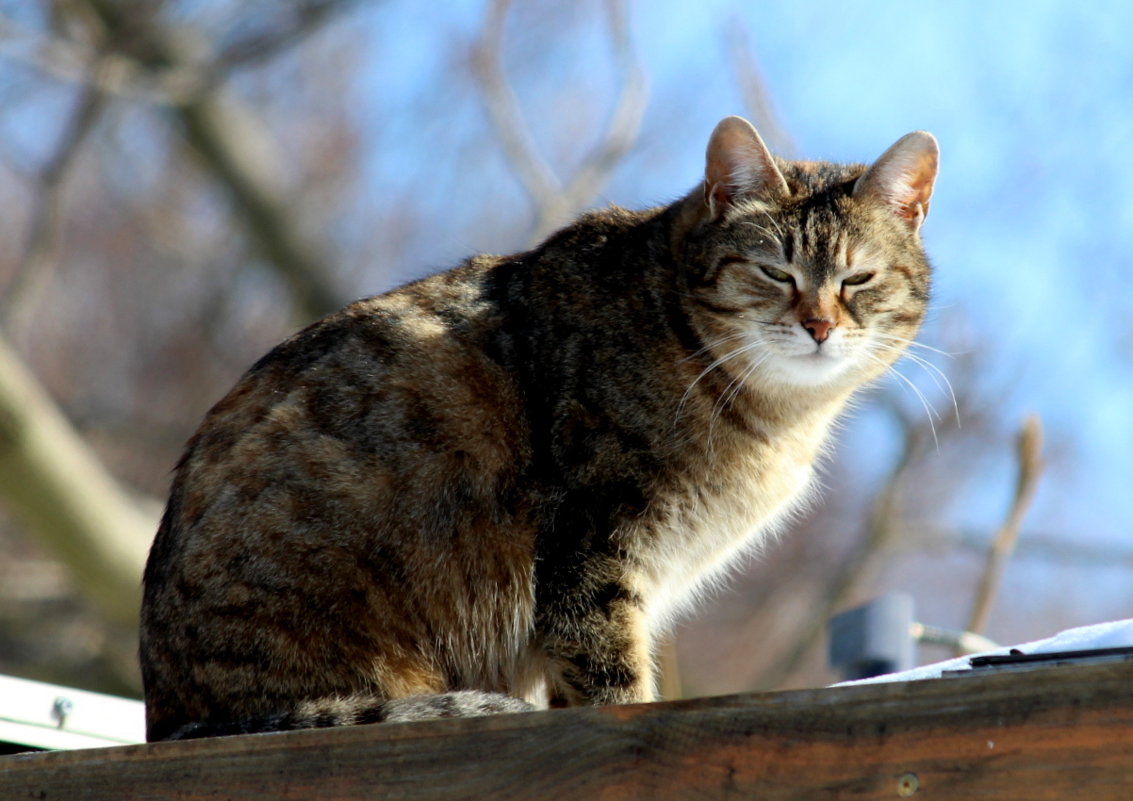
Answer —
(1056, 733)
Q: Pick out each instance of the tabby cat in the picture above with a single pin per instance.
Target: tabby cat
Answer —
(493, 489)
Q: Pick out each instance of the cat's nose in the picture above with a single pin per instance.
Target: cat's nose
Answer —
(819, 329)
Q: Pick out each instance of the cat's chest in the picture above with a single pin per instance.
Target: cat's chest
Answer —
(716, 516)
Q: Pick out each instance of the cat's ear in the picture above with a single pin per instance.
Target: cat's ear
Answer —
(903, 177)
(739, 165)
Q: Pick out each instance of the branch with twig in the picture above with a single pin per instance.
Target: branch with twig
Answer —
(131, 77)
(554, 201)
(220, 133)
(40, 255)
(295, 22)
(231, 145)
(1030, 467)
(754, 89)
(54, 483)
(48, 476)
(79, 62)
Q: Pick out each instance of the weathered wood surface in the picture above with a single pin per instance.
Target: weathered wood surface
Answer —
(1058, 733)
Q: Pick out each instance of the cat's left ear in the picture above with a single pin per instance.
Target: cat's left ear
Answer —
(904, 176)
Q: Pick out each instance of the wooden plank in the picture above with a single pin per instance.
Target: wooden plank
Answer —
(1057, 733)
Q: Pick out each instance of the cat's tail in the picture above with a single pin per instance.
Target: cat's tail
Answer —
(354, 710)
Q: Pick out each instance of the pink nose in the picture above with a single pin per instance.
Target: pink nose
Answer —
(819, 330)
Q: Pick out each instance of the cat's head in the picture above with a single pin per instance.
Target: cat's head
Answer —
(807, 274)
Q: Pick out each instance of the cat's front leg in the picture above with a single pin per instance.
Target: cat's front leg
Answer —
(598, 648)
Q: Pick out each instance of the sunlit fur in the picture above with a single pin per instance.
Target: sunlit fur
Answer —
(510, 478)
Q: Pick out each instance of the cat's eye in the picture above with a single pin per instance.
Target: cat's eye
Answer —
(857, 280)
(777, 275)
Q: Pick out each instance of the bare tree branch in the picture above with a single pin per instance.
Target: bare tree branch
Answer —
(621, 132)
(133, 77)
(41, 252)
(48, 476)
(213, 129)
(504, 112)
(57, 486)
(231, 146)
(74, 61)
(1034, 544)
(1030, 467)
(553, 201)
(300, 21)
(754, 89)
(221, 132)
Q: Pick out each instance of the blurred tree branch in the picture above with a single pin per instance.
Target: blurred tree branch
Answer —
(41, 251)
(48, 475)
(300, 20)
(137, 77)
(58, 487)
(753, 87)
(1040, 545)
(554, 201)
(83, 60)
(219, 132)
(132, 56)
(1030, 467)
(231, 145)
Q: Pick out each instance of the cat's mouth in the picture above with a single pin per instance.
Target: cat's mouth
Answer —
(822, 358)
(819, 352)
(812, 366)
(815, 351)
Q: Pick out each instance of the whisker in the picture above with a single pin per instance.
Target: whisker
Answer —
(937, 375)
(912, 343)
(752, 345)
(929, 410)
(731, 392)
(713, 345)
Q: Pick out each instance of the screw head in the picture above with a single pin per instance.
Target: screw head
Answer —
(907, 784)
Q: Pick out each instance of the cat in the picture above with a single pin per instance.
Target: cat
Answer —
(493, 489)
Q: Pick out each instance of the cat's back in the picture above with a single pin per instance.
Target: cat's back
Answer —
(347, 461)
(372, 386)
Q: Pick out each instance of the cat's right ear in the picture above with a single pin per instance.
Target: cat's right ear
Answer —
(902, 179)
(739, 165)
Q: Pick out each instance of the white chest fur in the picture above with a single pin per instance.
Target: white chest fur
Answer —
(721, 516)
